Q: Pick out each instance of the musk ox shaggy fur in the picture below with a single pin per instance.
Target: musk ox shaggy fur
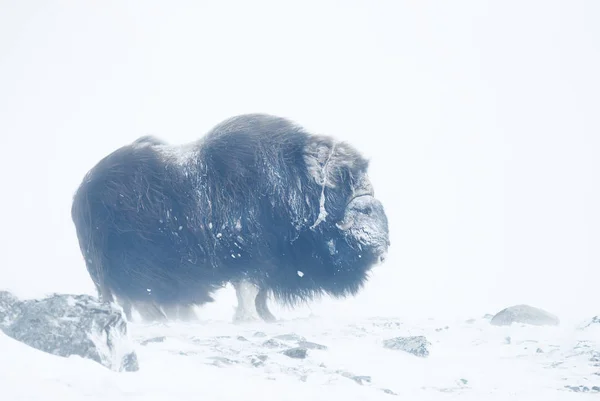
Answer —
(258, 202)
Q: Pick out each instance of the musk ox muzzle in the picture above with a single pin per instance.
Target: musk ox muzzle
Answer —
(366, 224)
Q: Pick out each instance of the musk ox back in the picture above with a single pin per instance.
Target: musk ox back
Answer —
(257, 202)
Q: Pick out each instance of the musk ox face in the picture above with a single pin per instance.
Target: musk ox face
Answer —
(365, 225)
(351, 204)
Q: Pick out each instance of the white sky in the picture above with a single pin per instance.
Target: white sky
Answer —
(480, 118)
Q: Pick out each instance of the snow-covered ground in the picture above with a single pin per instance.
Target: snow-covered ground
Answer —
(330, 358)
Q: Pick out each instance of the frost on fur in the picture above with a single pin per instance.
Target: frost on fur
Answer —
(256, 199)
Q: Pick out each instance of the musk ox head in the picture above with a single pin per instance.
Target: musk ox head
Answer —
(347, 203)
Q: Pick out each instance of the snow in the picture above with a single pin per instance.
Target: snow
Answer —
(218, 360)
(480, 122)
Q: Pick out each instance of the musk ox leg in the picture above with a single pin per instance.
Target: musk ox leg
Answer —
(150, 312)
(171, 312)
(127, 309)
(261, 306)
(187, 313)
(184, 313)
(246, 293)
(104, 294)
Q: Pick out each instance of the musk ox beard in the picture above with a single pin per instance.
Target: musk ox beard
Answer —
(258, 202)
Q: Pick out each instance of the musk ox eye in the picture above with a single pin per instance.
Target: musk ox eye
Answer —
(367, 210)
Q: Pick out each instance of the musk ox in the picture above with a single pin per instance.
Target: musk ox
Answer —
(258, 202)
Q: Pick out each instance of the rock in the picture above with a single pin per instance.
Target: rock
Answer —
(154, 340)
(9, 307)
(290, 337)
(361, 379)
(414, 345)
(388, 391)
(524, 314)
(220, 361)
(68, 325)
(260, 334)
(358, 379)
(583, 389)
(311, 345)
(593, 322)
(271, 343)
(258, 360)
(297, 353)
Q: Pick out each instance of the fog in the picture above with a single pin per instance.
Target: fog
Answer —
(480, 119)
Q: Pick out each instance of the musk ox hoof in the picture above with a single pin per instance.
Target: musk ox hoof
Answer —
(262, 308)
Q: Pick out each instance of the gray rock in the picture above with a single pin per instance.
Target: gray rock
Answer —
(311, 345)
(258, 360)
(290, 337)
(362, 379)
(9, 308)
(358, 379)
(593, 322)
(524, 314)
(417, 345)
(583, 389)
(271, 343)
(68, 325)
(296, 353)
(154, 340)
(595, 359)
(220, 361)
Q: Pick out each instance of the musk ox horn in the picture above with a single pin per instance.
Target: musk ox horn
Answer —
(342, 225)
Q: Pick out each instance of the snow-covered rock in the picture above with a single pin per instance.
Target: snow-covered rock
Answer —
(8, 307)
(524, 314)
(68, 325)
(417, 345)
(296, 353)
(589, 324)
